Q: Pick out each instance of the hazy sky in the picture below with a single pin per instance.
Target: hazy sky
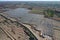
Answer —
(29, 0)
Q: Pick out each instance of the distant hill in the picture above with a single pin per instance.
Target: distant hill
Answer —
(33, 3)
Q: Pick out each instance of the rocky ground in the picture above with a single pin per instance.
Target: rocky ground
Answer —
(11, 31)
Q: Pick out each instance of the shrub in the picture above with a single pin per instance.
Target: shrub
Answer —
(49, 13)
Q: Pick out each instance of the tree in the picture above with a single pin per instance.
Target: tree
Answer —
(48, 13)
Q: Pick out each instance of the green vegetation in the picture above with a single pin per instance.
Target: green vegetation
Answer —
(49, 13)
(36, 11)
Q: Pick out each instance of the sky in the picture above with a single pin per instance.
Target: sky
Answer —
(29, 0)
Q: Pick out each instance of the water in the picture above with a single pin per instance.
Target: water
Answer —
(43, 24)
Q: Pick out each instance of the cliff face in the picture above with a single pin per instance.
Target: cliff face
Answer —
(10, 30)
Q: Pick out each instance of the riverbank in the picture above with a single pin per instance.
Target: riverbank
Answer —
(45, 25)
(32, 32)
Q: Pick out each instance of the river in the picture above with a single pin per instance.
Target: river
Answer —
(41, 23)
